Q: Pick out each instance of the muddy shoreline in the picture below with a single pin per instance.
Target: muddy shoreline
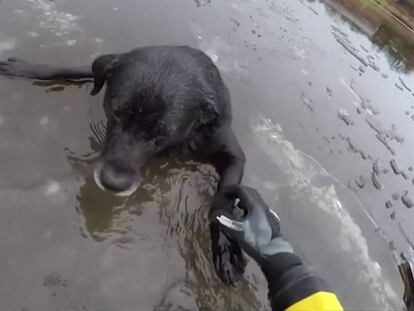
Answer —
(390, 26)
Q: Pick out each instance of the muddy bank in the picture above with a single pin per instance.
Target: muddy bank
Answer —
(390, 26)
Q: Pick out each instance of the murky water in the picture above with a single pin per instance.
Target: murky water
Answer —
(325, 120)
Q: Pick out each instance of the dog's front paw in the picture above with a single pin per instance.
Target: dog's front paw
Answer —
(228, 259)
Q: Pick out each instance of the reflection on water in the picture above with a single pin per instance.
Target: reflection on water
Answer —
(391, 35)
(399, 49)
(180, 193)
(191, 188)
(104, 213)
(79, 248)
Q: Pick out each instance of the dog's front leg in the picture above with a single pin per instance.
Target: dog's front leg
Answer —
(228, 158)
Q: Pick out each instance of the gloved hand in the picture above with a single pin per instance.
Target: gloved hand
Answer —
(246, 218)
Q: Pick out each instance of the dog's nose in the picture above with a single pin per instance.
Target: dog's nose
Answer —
(115, 178)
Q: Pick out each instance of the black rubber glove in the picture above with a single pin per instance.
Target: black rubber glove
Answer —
(246, 218)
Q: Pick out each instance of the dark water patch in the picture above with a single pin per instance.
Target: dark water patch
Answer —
(349, 48)
(313, 10)
(339, 31)
(54, 280)
(378, 167)
(202, 3)
(406, 200)
(384, 135)
(361, 181)
(308, 102)
(55, 89)
(367, 105)
(352, 147)
(395, 196)
(326, 139)
(397, 170)
(404, 84)
(376, 181)
(398, 45)
(353, 67)
(345, 117)
(235, 22)
(383, 140)
(398, 86)
(382, 27)
(329, 92)
(370, 57)
(373, 65)
(375, 167)
(51, 84)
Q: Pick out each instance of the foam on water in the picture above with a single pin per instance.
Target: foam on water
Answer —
(7, 45)
(52, 187)
(300, 171)
(58, 22)
(44, 121)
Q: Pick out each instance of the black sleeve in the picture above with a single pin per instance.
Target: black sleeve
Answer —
(227, 157)
(290, 281)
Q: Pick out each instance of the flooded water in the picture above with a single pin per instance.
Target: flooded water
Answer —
(325, 119)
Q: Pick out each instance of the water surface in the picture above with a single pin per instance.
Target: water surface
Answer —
(323, 116)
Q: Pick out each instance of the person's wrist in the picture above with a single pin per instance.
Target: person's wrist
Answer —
(276, 266)
(277, 257)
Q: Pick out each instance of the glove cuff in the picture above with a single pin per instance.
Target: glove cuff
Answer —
(289, 280)
(275, 266)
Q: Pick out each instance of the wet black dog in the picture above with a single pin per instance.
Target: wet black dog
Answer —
(158, 98)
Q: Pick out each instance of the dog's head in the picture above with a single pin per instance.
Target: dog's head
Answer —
(133, 125)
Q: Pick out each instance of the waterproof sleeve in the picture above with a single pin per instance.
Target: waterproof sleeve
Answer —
(292, 286)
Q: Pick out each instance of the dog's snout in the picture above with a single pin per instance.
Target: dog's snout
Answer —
(116, 178)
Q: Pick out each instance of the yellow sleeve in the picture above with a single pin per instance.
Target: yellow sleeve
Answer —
(320, 301)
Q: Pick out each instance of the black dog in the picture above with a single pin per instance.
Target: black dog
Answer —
(158, 98)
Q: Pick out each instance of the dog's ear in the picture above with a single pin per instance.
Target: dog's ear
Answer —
(101, 69)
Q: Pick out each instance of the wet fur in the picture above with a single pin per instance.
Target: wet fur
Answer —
(158, 98)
